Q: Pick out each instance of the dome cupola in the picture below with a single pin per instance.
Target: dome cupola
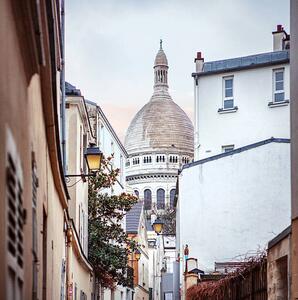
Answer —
(161, 70)
(160, 125)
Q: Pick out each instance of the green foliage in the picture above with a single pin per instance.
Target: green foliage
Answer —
(108, 243)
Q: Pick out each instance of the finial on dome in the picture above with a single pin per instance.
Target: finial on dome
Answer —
(160, 44)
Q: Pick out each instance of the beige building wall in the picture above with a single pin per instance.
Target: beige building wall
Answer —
(278, 269)
(78, 138)
(294, 144)
(28, 135)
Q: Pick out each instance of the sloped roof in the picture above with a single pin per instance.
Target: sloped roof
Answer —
(235, 151)
(133, 218)
(245, 62)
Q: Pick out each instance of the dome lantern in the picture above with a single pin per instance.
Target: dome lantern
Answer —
(161, 70)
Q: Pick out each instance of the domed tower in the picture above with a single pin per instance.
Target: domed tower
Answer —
(159, 140)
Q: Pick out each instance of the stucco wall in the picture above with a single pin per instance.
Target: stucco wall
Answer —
(252, 122)
(234, 205)
(278, 270)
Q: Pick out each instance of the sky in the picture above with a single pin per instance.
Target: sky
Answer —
(111, 45)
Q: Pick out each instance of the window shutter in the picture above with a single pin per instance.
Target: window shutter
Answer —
(15, 232)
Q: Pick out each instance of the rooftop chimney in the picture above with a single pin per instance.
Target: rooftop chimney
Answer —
(199, 60)
(280, 39)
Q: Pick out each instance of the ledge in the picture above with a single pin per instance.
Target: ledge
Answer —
(278, 104)
(227, 110)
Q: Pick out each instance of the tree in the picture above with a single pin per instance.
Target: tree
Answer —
(108, 243)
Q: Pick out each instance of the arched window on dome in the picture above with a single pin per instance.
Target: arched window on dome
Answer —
(160, 199)
(172, 197)
(147, 199)
(137, 193)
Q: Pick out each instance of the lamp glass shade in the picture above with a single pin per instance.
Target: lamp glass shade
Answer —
(158, 226)
(137, 254)
(93, 158)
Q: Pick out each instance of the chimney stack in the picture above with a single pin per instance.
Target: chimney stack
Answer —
(280, 39)
(199, 60)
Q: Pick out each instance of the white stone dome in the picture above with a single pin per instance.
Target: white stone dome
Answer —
(160, 125)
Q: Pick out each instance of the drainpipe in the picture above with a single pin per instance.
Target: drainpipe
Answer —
(62, 87)
(196, 119)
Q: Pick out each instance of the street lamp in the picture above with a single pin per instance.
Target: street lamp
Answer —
(137, 254)
(158, 226)
(93, 157)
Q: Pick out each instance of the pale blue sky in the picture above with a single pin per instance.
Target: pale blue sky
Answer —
(111, 45)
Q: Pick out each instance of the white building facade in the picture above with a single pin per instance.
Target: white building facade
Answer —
(230, 205)
(242, 100)
(109, 143)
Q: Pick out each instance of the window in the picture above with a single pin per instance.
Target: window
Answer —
(34, 228)
(147, 199)
(147, 160)
(172, 197)
(173, 159)
(127, 164)
(160, 199)
(136, 161)
(160, 158)
(227, 148)
(137, 193)
(278, 88)
(14, 226)
(185, 160)
(228, 93)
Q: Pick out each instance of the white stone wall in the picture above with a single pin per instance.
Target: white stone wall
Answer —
(234, 205)
(253, 121)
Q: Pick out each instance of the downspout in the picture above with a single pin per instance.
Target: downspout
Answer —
(62, 87)
(196, 117)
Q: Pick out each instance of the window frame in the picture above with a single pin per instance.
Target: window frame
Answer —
(226, 147)
(274, 81)
(224, 98)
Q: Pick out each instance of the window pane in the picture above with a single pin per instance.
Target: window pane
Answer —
(229, 83)
(279, 76)
(279, 85)
(147, 199)
(160, 199)
(229, 103)
(279, 97)
(172, 197)
(229, 93)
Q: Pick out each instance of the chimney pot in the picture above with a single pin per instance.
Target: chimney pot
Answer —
(199, 55)
(279, 28)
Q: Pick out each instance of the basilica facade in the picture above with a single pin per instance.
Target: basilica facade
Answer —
(159, 141)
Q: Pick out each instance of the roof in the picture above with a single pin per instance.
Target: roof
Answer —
(235, 151)
(285, 233)
(72, 90)
(133, 218)
(245, 62)
(161, 58)
(108, 124)
(160, 125)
